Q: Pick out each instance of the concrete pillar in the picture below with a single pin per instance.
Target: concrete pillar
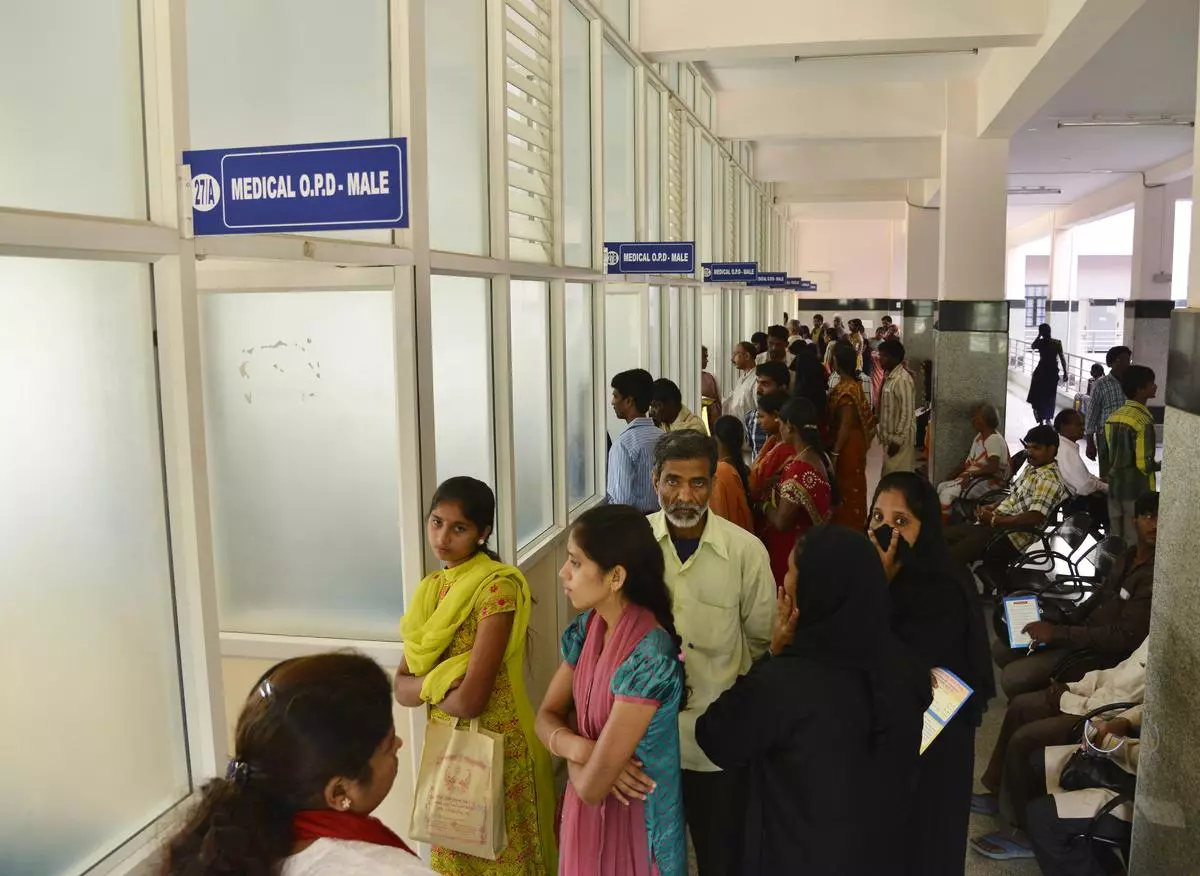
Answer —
(1147, 323)
(1064, 281)
(971, 337)
(921, 268)
(1165, 835)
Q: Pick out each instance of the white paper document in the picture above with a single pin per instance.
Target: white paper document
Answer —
(949, 694)
(1019, 612)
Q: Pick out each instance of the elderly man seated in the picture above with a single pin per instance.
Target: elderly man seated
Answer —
(987, 459)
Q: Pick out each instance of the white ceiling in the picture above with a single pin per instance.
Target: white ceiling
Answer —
(1148, 68)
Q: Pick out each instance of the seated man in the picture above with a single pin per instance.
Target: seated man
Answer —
(1056, 821)
(1119, 620)
(1088, 492)
(988, 458)
(1037, 492)
(668, 411)
(1036, 720)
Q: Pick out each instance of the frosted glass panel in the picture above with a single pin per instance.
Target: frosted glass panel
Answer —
(92, 736)
(529, 306)
(618, 147)
(581, 407)
(617, 12)
(704, 199)
(577, 137)
(266, 72)
(71, 108)
(750, 323)
(456, 59)
(675, 336)
(653, 162)
(622, 343)
(300, 408)
(462, 377)
(654, 312)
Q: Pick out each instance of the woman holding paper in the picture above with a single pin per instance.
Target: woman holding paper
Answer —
(464, 654)
(622, 675)
(933, 614)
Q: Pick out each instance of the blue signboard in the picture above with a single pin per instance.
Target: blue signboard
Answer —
(716, 272)
(808, 286)
(650, 258)
(308, 187)
(794, 283)
(772, 278)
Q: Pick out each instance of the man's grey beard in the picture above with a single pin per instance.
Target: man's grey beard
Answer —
(684, 514)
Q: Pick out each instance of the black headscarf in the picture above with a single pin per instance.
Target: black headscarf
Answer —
(930, 584)
(841, 598)
(842, 602)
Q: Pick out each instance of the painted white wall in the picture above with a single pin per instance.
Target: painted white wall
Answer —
(857, 254)
(1104, 276)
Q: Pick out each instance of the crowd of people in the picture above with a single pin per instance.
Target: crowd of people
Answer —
(750, 666)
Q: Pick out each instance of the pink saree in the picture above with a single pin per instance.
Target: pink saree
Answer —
(608, 839)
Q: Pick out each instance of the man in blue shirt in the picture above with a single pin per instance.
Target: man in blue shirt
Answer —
(631, 458)
(772, 376)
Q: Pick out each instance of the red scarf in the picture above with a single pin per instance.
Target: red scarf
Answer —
(315, 824)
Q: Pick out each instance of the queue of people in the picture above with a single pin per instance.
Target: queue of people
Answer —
(727, 614)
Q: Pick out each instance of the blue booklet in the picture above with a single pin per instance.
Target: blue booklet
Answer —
(1019, 612)
(949, 694)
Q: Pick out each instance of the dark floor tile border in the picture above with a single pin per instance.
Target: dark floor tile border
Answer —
(1062, 306)
(1149, 309)
(919, 307)
(973, 316)
(835, 304)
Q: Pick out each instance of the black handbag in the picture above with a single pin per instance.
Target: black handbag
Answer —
(1087, 769)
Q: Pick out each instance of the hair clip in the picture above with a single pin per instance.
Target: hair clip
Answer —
(265, 688)
(238, 772)
(682, 657)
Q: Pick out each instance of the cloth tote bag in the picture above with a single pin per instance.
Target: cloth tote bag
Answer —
(460, 791)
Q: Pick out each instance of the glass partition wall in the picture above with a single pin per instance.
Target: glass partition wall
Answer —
(228, 445)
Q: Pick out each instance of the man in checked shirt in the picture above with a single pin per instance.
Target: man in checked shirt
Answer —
(1107, 396)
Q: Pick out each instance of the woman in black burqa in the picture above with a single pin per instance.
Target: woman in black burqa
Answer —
(829, 725)
(936, 616)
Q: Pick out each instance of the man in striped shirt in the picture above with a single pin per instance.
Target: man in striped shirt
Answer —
(1105, 398)
(1131, 441)
(897, 424)
(631, 458)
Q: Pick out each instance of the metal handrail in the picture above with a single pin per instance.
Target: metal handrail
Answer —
(1022, 357)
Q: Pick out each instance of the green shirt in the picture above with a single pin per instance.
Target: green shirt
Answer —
(1131, 440)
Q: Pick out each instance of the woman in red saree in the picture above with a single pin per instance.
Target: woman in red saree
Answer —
(801, 497)
(623, 674)
(853, 425)
(774, 454)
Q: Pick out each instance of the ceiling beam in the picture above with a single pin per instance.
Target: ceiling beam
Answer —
(1016, 83)
(712, 30)
(847, 210)
(813, 161)
(856, 111)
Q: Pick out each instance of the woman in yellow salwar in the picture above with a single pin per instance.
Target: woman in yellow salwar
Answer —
(464, 650)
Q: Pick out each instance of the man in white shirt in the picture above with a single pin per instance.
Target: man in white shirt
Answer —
(1089, 492)
(723, 598)
(794, 333)
(742, 398)
(777, 347)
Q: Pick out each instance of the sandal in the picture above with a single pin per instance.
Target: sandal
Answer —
(999, 847)
(985, 804)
